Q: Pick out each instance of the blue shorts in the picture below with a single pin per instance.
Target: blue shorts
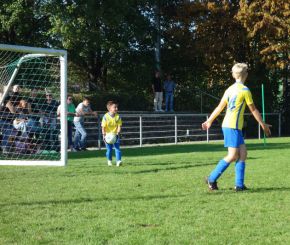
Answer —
(233, 137)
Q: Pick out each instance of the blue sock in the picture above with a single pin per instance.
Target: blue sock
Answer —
(219, 169)
(240, 173)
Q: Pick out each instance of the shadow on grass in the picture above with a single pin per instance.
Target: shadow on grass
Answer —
(92, 200)
(269, 189)
(156, 170)
(251, 190)
(125, 171)
(175, 149)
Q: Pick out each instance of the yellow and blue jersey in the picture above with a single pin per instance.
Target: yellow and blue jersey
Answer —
(111, 123)
(237, 97)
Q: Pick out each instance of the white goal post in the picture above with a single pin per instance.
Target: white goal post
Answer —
(33, 87)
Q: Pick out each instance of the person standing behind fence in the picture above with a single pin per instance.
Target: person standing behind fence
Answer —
(48, 121)
(157, 91)
(13, 98)
(83, 109)
(169, 87)
(71, 112)
(111, 123)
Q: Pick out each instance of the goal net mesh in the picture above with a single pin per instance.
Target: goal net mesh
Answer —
(30, 97)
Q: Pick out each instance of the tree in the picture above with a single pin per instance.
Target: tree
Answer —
(111, 43)
(97, 33)
(268, 27)
(206, 39)
(22, 22)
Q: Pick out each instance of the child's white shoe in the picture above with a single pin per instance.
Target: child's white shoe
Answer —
(110, 163)
(119, 163)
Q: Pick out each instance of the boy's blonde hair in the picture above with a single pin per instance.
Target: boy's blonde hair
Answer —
(240, 70)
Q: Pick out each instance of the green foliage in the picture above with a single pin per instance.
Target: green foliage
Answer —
(23, 22)
(157, 197)
(97, 34)
(203, 39)
(111, 43)
(268, 27)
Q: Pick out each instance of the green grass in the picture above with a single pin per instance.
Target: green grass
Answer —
(157, 197)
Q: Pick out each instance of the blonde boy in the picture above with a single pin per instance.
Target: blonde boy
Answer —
(236, 97)
(112, 123)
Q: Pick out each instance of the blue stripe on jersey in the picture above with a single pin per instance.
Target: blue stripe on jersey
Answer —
(247, 89)
(232, 103)
(237, 123)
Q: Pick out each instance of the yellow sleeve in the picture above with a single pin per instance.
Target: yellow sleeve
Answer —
(225, 97)
(104, 122)
(248, 97)
(119, 122)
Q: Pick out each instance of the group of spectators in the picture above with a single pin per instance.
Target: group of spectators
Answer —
(158, 87)
(28, 121)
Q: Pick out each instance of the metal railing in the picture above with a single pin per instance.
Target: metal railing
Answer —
(152, 128)
(202, 94)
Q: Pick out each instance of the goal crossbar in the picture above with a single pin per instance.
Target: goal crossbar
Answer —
(33, 50)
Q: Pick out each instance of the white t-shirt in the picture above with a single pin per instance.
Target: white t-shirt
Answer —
(81, 108)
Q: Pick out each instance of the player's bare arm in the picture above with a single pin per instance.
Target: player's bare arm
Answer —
(103, 131)
(207, 124)
(118, 130)
(257, 116)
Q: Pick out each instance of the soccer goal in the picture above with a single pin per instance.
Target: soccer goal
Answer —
(33, 126)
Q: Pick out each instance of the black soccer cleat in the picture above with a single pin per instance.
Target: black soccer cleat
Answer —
(244, 188)
(212, 186)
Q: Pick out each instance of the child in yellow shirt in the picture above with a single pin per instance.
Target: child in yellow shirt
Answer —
(111, 123)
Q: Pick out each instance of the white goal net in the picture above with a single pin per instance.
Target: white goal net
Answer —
(32, 106)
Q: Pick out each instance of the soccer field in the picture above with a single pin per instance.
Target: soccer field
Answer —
(157, 197)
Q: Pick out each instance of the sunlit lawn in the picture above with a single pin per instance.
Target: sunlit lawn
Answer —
(157, 197)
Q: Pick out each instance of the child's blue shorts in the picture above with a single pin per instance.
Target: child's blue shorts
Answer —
(233, 137)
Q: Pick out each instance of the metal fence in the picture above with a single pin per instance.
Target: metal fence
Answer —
(156, 128)
(275, 119)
